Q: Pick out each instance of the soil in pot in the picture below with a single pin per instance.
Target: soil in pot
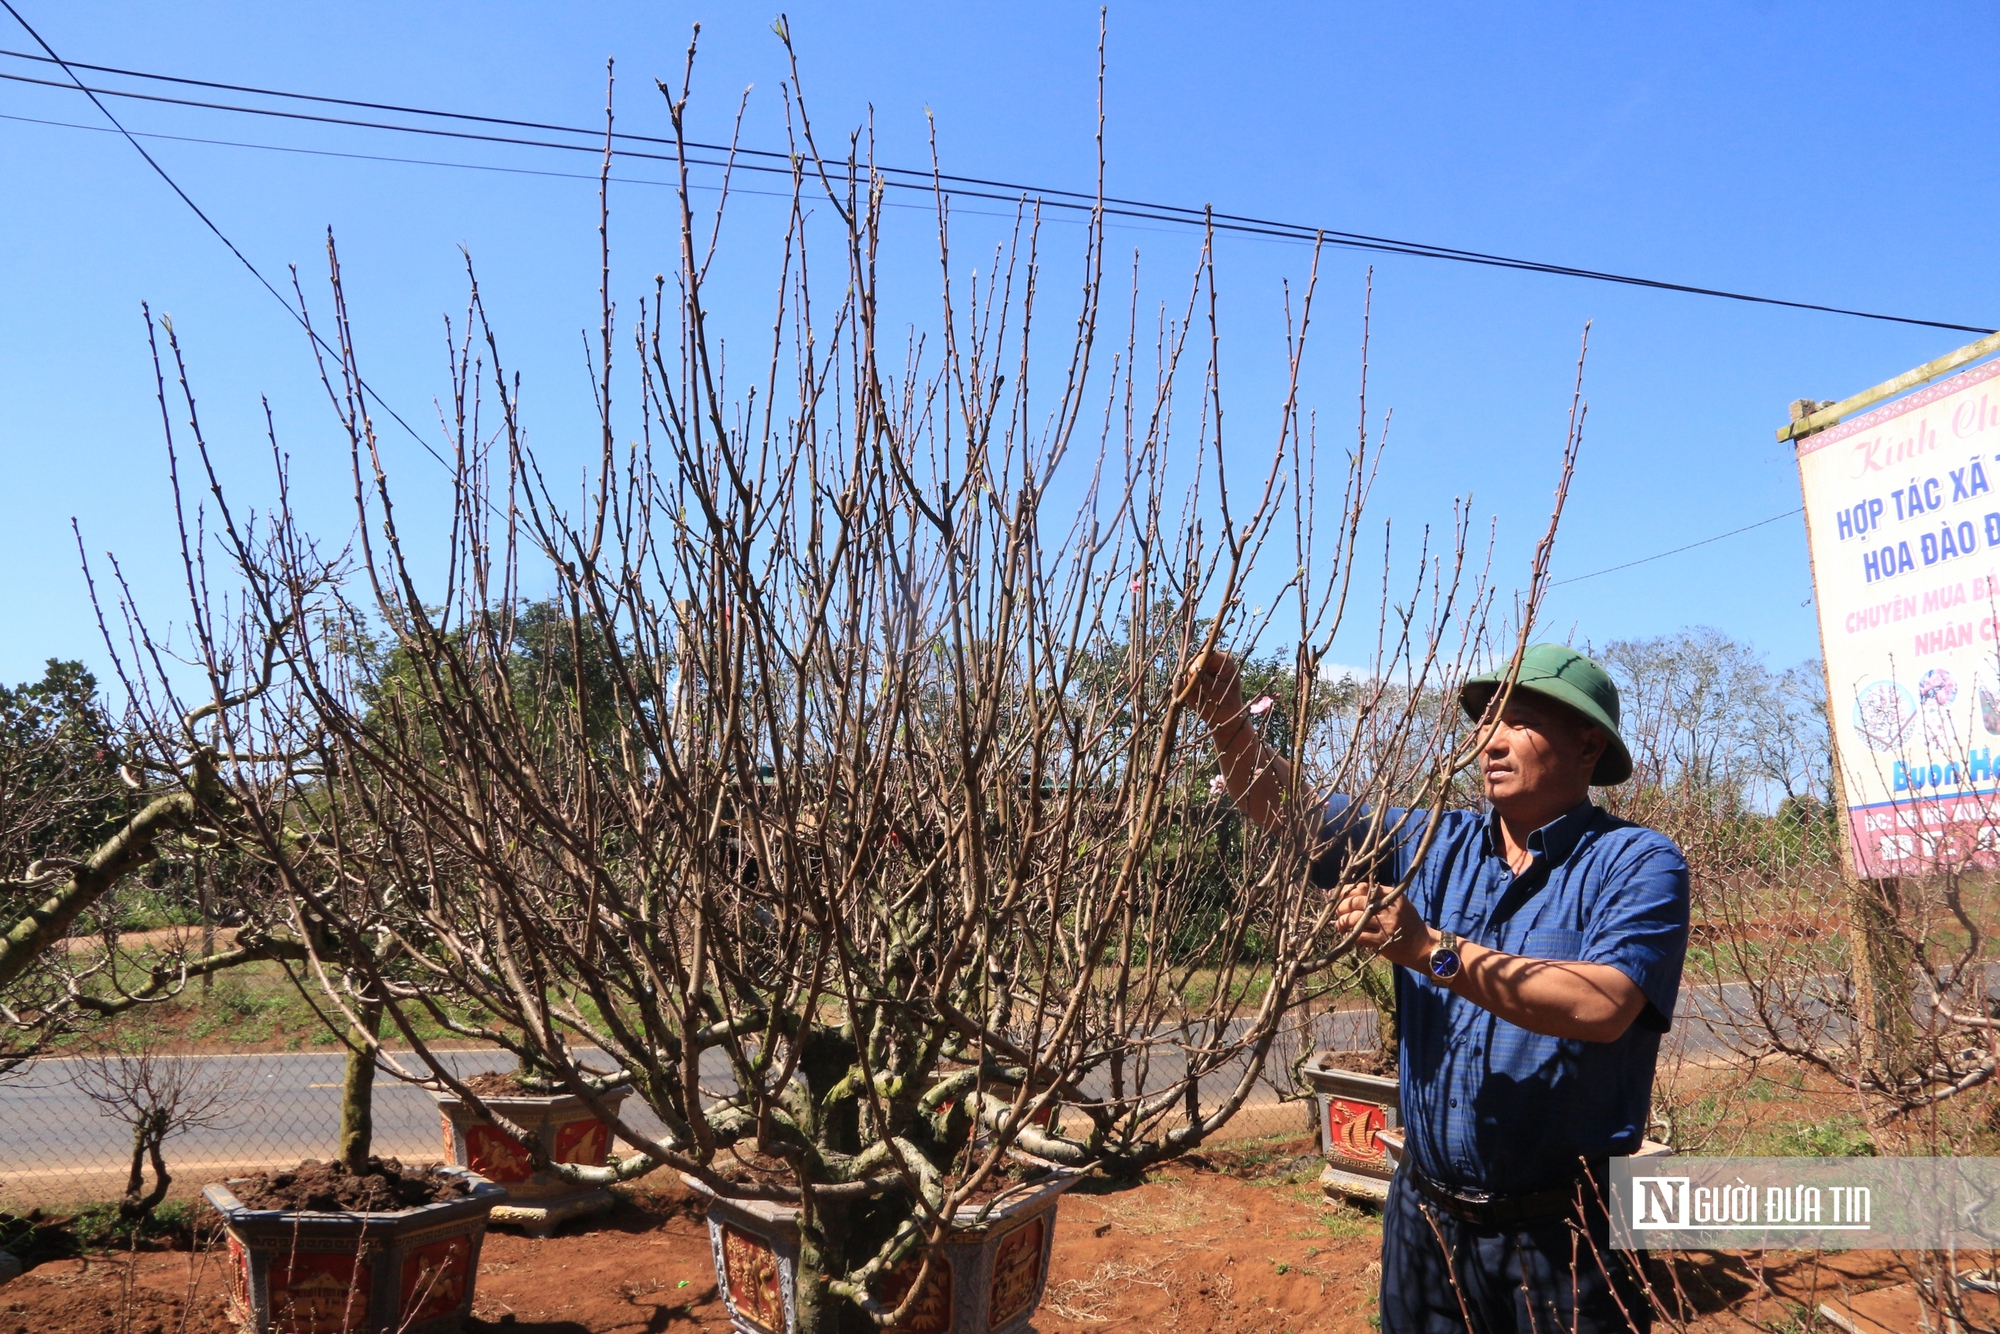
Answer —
(384, 1186)
(507, 1084)
(1375, 1061)
(745, 1166)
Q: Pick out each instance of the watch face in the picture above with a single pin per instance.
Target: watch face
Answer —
(1444, 963)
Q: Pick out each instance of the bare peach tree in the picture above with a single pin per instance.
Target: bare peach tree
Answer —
(840, 794)
(157, 1095)
(89, 803)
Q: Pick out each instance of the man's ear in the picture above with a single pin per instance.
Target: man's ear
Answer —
(1594, 741)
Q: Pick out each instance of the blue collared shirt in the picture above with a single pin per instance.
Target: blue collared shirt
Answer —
(1487, 1104)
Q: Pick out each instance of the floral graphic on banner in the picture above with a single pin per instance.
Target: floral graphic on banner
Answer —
(1936, 687)
(583, 1142)
(496, 1155)
(434, 1278)
(750, 1269)
(1989, 711)
(314, 1293)
(1883, 715)
(1017, 1274)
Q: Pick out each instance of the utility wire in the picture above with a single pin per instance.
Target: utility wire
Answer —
(376, 157)
(1228, 222)
(765, 160)
(457, 165)
(1647, 560)
(244, 260)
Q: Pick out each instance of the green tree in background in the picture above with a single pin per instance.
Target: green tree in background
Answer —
(59, 758)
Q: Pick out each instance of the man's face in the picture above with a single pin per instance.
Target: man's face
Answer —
(1539, 751)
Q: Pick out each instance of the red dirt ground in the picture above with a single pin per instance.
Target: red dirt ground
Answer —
(1217, 1246)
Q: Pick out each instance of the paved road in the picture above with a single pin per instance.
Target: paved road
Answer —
(282, 1107)
(55, 1143)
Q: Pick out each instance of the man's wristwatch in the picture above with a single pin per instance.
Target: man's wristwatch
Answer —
(1444, 957)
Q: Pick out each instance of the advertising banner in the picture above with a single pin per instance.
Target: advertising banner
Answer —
(1903, 509)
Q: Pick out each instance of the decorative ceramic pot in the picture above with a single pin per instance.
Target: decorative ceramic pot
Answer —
(991, 1280)
(1352, 1108)
(411, 1271)
(569, 1133)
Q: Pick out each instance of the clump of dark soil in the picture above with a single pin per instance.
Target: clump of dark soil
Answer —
(35, 1236)
(1377, 1061)
(385, 1186)
(1004, 1177)
(39, 1236)
(742, 1164)
(504, 1084)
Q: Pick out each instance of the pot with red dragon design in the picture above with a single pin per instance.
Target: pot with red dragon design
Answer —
(568, 1131)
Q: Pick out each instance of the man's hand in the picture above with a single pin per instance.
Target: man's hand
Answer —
(1258, 778)
(1393, 930)
(1593, 1002)
(1216, 695)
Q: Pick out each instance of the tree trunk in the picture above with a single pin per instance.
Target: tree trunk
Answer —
(357, 1093)
(147, 1137)
(1883, 964)
(207, 908)
(135, 1180)
(821, 1259)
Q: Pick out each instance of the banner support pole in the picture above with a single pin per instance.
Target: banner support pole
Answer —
(1883, 992)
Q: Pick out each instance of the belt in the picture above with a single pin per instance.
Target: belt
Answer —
(1488, 1210)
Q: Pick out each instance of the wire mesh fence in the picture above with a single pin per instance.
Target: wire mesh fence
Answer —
(59, 1147)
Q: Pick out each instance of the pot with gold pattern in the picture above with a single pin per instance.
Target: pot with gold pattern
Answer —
(986, 1278)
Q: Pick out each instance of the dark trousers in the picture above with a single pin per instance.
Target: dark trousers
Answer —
(1558, 1275)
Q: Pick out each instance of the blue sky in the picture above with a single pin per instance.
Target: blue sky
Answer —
(1814, 153)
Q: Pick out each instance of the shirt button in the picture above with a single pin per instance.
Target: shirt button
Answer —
(1454, 1102)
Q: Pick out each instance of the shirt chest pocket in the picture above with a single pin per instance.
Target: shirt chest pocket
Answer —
(1550, 942)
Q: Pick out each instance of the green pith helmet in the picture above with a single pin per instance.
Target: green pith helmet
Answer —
(1570, 679)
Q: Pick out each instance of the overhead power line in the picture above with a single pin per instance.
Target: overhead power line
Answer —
(896, 177)
(765, 160)
(1662, 555)
(592, 176)
(220, 235)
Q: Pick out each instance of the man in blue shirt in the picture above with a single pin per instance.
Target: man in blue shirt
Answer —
(1539, 947)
